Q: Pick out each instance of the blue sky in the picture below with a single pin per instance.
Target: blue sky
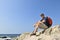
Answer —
(18, 16)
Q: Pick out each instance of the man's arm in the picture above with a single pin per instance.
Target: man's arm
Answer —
(39, 22)
(43, 21)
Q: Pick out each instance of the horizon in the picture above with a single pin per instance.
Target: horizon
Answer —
(18, 16)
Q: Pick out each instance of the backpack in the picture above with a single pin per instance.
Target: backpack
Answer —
(49, 20)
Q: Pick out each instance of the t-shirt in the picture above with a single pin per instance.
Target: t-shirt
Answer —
(46, 23)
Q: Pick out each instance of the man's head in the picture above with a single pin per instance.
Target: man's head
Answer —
(42, 15)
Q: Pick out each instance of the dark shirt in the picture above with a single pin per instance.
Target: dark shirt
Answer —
(46, 23)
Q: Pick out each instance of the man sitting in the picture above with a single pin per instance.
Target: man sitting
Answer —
(44, 23)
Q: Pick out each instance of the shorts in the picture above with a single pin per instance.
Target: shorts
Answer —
(43, 26)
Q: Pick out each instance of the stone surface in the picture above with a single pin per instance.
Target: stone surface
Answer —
(49, 34)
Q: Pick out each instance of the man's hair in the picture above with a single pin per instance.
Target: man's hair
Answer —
(42, 14)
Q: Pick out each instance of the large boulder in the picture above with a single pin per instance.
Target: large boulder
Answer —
(49, 34)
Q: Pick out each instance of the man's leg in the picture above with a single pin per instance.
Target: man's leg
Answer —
(39, 25)
(44, 30)
(43, 26)
(35, 29)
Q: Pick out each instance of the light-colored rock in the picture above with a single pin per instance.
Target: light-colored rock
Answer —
(49, 34)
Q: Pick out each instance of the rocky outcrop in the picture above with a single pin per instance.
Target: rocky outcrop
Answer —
(49, 34)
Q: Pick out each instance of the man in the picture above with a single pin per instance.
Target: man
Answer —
(43, 23)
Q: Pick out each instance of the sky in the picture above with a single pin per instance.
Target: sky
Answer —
(18, 16)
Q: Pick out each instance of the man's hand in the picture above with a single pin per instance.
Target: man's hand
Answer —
(43, 21)
(40, 22)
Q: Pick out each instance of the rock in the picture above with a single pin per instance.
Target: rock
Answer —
(23, 36)
(49, 34)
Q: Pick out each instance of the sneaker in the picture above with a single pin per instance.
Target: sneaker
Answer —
(33, 34)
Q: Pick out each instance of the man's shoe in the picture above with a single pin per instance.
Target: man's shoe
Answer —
(32, 34)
